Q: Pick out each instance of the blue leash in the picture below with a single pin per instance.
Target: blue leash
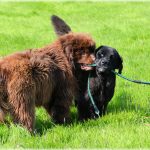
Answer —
(135, 81)
(91, 97)
(120, 75)
(89, 91)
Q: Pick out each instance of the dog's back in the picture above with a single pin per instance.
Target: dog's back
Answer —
(36, 78)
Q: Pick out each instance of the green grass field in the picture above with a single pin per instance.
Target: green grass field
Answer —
(125, 26)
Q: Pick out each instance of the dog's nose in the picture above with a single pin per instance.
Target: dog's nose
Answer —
(103, 62)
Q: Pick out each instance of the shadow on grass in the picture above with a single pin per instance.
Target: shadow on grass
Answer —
(42, 126)
(123, 102)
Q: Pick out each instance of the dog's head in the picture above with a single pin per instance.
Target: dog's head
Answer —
(78, 47)
(107, 59)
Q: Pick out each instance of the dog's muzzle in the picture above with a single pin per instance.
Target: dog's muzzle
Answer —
(85, 67)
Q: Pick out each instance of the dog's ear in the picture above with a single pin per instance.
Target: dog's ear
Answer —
(69, 53)
(60, 26)
(120, 64)
(96, 50)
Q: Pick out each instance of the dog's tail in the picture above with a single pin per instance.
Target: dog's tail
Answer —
(60, 26)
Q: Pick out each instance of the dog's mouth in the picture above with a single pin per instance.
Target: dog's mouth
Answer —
(86, 67)
(103, 70)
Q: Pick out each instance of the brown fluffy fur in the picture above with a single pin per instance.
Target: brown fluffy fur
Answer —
(41, 77)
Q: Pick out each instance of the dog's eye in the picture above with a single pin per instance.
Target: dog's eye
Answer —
(101, 55)
(111, 56)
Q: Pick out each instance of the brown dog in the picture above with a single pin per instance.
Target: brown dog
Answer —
(43, 77)
(79, 61)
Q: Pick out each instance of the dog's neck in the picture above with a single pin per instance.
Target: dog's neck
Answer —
(105, 77)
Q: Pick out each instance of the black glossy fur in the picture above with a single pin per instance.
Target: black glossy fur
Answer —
(102, 83)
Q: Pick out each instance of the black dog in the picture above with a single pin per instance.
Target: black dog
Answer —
(102, 83)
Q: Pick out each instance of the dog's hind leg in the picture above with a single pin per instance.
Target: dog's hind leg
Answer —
(22, 100)
(2, 116)
(4, 109)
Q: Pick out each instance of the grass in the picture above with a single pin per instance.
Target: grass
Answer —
(125, 26)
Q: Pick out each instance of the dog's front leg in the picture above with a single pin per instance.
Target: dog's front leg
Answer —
(60, 110)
